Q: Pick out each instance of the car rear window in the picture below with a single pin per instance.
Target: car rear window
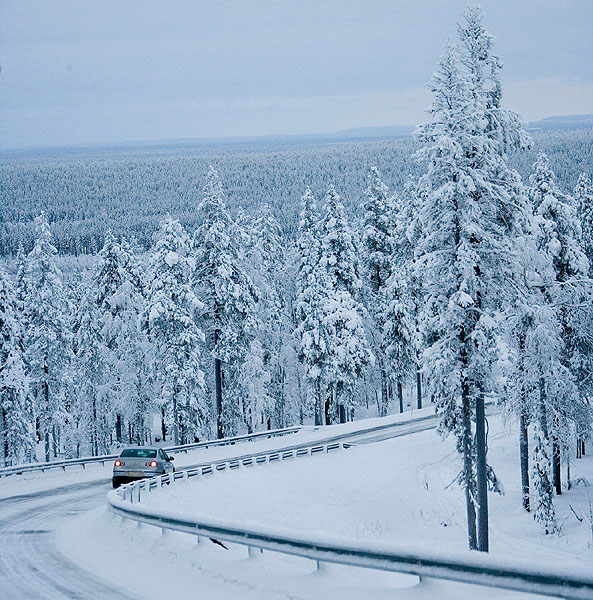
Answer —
(139, 453)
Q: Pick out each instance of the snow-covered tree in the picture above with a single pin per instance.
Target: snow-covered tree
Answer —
(313, 349)
(267, 258)
(469, 218)
(341, 288)
(558, 237)
(93, 414)
(47, 340)
(120, 297)
(225, 290)
(17, 428)
(377, 256)
(169, 320)
(583, 195)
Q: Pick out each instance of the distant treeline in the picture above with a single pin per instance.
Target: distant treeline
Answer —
(85, 197)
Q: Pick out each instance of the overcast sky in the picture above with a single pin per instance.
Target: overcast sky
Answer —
(95, 71)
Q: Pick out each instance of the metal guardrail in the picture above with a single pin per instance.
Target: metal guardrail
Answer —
(70, 462)
(471, 568)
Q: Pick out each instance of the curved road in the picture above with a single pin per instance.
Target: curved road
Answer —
(30, 564)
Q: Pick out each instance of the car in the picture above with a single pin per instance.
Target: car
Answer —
(139, 462)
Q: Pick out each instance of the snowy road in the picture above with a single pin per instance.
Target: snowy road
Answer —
(32, 567)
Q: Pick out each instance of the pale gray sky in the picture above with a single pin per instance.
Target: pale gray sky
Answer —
(95, 71)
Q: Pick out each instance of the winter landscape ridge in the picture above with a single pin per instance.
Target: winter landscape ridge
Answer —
(416, 304)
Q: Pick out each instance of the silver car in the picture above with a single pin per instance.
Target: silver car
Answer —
(139, 462)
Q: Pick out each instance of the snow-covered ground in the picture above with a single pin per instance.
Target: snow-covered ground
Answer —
(396, 491)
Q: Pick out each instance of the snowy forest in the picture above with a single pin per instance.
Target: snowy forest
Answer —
(452, 269)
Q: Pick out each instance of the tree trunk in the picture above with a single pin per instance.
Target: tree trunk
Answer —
(4, 434)
(400, 395)
(481, 474)
(384, 394)
(46, 420)
(318, 404)
(163, 426)
(468, 474)
(218, 391)
(175, 420)
(466, 442)
(419, 385)
(524, 459)
(95, 443)
(118, 428)
(556, 472)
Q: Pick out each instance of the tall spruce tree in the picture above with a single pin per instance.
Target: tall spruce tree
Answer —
(583, 194)
(169, 320)
(377, 254)
(312, 345)
(469, 219)
(47, 340)
(227, 294)
(559, 235)
(17, 428)
(342, 310)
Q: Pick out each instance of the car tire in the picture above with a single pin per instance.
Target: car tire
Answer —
(115, 482)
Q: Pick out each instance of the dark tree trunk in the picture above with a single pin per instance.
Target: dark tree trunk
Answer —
(466, 441)
(175, 419)
(556, 472)
(118, 428)
(524, 458)
(419, 386)
(318, 404)
(384, 394)
(468, 473)
(342, 413)
(400, 395)
(95, 430)
(327, 411)
(218, 391)
(481, 474)
(3, 433)
(46, 400)
(163, 426)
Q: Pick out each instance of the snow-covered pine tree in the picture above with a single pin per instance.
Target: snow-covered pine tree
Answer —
(343, 313)
(93, 416)
(583, 195)
(559, 235)
(312, 346)
(169, 320)
(227, 294)
(267, 258)
(469, 217)
(402, 296)
(120, 298)
(17, 427)
(47, 340)
(254, 384)
(377, 251)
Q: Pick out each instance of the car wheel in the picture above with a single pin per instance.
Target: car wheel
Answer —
(115, 482)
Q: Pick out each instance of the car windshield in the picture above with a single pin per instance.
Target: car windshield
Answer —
(139, 453)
